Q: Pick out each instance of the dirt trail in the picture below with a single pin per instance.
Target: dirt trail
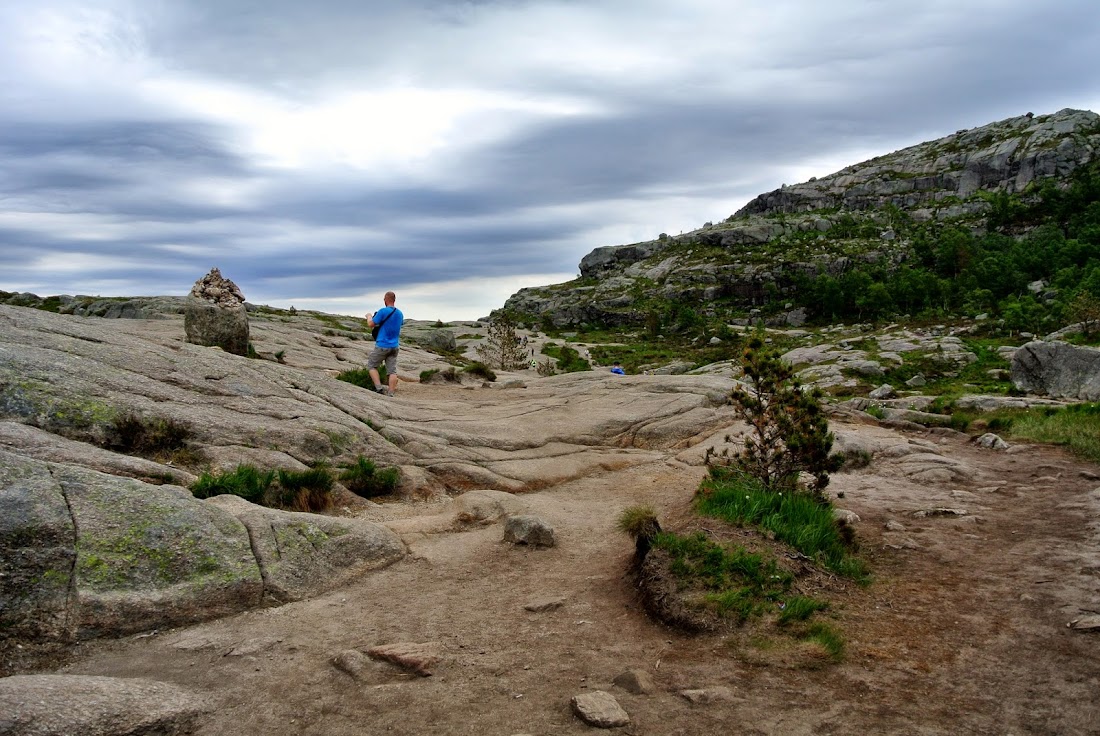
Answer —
(963, 631)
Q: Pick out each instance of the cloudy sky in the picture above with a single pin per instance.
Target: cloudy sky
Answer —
(321, 153)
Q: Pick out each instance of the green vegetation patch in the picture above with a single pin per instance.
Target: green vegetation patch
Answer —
(798, 519)
(738, 583)
(364, 478)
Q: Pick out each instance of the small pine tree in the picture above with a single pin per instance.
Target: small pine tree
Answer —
(1085, 308)
(502, 349)
(788, 432)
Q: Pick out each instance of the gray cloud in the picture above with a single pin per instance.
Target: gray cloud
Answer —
(146, 142)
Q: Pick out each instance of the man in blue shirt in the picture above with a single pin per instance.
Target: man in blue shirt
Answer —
(618, 369)
(388, 319)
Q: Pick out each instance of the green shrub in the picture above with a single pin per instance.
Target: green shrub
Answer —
(131, 433)
(638, 521)
(482, 370)
(305, 490)
(365, 479)
(447, 374)
(245, 481)
(852, 459)
(788, 432)
(361, 377)
(801, 521)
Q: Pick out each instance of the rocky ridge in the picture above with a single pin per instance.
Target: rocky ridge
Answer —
(819, 226)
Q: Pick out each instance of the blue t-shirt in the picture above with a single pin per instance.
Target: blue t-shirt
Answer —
(618, 371)
(390, 331)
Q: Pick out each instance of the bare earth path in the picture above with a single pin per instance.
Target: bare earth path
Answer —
(964, 630)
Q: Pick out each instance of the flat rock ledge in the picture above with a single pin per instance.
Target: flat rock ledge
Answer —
(64, 705)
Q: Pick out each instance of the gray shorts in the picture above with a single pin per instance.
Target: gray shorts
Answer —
(388, 355)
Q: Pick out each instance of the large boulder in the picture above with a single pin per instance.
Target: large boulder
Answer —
(302, 555)
(215, 314)
(85, 554)
(1057, 369)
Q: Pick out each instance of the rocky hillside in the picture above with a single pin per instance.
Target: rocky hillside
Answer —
(870, 213)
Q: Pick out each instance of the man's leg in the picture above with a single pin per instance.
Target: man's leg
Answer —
(391, 370)
(377, 355)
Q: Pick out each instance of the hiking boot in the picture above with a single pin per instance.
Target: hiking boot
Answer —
(387, 391)
(380, 389)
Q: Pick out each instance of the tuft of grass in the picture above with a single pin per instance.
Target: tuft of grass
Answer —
(797, 519)
(305, 490)
(828, 638)
(245, 481)
(482, 370)
(132, 433)
(800, 608)
(361, 377)
(366, 479)
(853, 459)
(638, 521)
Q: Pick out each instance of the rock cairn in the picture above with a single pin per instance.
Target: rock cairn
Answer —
(215, 314)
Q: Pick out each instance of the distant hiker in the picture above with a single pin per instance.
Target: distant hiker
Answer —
(388, 320)
(618, 369)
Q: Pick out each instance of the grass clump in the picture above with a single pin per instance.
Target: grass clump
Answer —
(361, 377)
(364, 478)
(800, 608)
(134, 434)
(246, 481)
(481, 370)
(1077, 427)
(798, 519)
(304, 490)
(738, 582)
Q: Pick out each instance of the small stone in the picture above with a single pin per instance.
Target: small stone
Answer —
(351, 662)
(1087, 623)
(415, 657)
(708, 695)
(894, 526)
(637, 682)
(542, 606)
(848, 517)
(885, 391)
(530, 530)
(991, 441)
(600, 709)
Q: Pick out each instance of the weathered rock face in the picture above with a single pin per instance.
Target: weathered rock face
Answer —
(823, 226)
(93, 541)
(215, 314)
(85, 554)
(1057, 369)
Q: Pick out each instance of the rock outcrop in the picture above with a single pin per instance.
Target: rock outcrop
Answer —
(1057, 369)
(823, 226)
(85, 554)
(215, 314)
(94, 541)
